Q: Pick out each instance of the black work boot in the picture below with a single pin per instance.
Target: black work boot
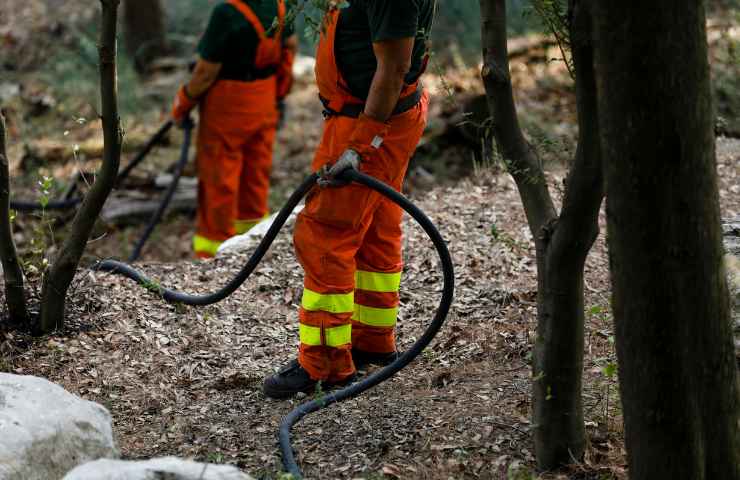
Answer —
(362, 359)
(292, 379)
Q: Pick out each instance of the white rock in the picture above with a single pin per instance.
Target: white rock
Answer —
(45, 431)
(155, 469)
(247, 241)
(303, 65)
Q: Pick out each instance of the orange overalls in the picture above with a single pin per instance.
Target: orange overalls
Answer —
(348, 239)
(238, 121)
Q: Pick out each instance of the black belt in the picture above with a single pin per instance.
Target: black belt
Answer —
(251, 76)
(354, 110)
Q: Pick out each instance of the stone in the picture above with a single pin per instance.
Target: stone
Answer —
(47, 431)
(169, 468)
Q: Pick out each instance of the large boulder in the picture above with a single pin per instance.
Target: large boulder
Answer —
(47, 431)
(156, 469)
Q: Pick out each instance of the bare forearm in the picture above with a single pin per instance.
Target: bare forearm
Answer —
(384, 93)
(204, 75)
(394, 62)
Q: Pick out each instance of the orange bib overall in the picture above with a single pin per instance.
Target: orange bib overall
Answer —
(348, 239)
(238, 120)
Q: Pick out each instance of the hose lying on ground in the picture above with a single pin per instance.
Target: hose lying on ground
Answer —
(355, 389)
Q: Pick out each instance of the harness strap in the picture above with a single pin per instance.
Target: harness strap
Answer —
(354, 110)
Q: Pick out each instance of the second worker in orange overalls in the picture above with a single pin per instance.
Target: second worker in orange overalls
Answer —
(244, 69)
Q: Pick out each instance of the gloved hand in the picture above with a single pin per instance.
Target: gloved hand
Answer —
(182, 105)
(328, 175)
(367, 136)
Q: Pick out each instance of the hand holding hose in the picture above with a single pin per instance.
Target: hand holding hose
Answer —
(331, 176)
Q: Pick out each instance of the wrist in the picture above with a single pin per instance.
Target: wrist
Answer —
(187, 94)
(368, 132)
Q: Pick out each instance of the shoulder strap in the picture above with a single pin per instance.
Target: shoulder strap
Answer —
(250, 16)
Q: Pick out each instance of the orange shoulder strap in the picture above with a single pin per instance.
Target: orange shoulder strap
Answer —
(250, 16)
(254, 20)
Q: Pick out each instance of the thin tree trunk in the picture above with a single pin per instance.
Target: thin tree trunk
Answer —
(677, 371)
(62, 272)
(14, 293)
(558, 366)
(144, 31)
(562, 243)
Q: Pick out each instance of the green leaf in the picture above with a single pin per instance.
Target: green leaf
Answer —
(609, 370)
(595, 310)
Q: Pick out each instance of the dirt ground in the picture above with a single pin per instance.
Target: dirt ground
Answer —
(186, 381)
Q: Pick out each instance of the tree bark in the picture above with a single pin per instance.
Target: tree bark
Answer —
(62, 272)
(14, 293)
(677, 371)
(144, 31)
(562, 242)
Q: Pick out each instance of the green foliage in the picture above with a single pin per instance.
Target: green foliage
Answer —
(517, 471)
(554, 17)
(72, 75)
(216, 457)
(34, 262)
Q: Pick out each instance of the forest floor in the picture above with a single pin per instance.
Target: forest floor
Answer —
(187, 382)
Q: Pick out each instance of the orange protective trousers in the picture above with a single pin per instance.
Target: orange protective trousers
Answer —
(236, 136)
(348, 240)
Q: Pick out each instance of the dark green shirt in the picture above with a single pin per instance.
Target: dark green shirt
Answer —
(366, 21)
(230, 39)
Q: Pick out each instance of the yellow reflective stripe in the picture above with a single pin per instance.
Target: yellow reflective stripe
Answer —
(310, 335)
(205, 245)
(338, 336)
(377, 282)
(331, 302)
(243, 226)
(335, 337)
(375, 317)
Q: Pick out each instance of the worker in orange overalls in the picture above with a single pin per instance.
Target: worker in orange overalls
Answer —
(348, 238)
(244, 70)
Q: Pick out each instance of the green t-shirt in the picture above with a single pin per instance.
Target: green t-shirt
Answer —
(366, 21)
(230, 39)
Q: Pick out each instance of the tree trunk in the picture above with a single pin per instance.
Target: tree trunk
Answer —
(562, 243)
(14, 294)
(62, 272)
(677, 371)
(144, 31)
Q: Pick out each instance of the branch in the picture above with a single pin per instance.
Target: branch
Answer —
(63, 270)
(520, 158)
(578, 225)
(14, 293)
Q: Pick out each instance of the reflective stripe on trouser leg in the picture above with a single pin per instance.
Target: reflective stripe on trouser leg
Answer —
(205, 247)
(376, 312)
(326, 334)
(243, 226)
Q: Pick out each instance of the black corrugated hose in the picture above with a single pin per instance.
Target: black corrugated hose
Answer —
(289, 461)
(187, 127)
